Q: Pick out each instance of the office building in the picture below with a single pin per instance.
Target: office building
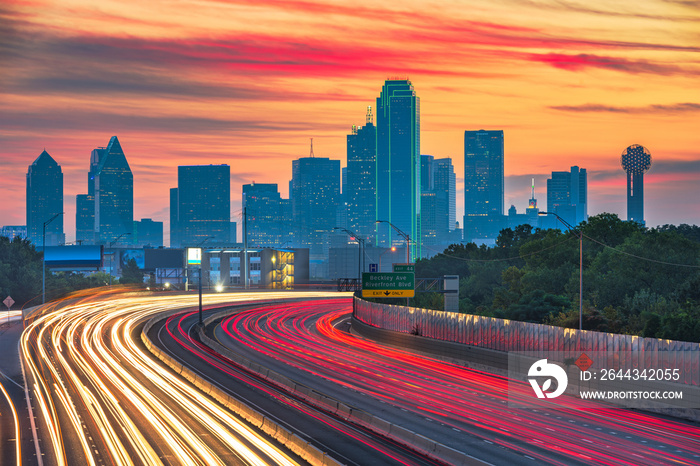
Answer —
(315, 190)
(635, 160)
(398, 165)
(113, 194)
(265, 215)
(12, 231)
(567, 196)
(361, 191)
(483, 184)
(202, 201)
(44, 200)
(148, 233)
(438, 200)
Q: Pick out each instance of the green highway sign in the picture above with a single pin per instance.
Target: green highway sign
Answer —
(388, 285)
(405, 268)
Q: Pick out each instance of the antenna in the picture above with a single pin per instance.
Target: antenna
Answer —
(312, 148)
(370, 118)
(533, 189)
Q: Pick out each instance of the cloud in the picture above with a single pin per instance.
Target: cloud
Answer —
(683, 107)
(584, 60)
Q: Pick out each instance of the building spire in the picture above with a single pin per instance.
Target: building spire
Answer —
(312, 148)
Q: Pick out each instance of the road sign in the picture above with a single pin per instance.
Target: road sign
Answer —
(405, 268)
(374, 267)
(8, 302)
(388, 285)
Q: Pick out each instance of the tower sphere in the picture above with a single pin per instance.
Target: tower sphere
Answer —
(636, 159)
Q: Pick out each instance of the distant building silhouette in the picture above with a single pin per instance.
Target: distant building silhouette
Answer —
(315, 189)
(361, 189)
(567, 196)
(114, 194)
(398, 164)
(44, 200)
(148, 233)
(203, 205)
(12, 231)
(85, 203)
(483, 184)
(267, 223)
(635, 160)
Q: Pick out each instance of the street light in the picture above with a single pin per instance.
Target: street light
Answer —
(201, 322)
(580, 266)
(392, 249)
(360, 248)
(111, 260)
(404, 235)
(43, 260)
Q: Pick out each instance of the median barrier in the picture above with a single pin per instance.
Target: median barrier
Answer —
(378, 425)
(290, 440)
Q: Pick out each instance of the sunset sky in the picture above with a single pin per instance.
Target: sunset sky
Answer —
(247, 83)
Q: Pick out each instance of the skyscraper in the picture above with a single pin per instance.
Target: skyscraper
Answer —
(315, 190)
(398, 164)
(203, 204)
(265, 215)
(437, 201)
(44, 200)
(114, 194)
(361, 192)
(567, 195)
(85, 203)
(483, 184)
(635, 160)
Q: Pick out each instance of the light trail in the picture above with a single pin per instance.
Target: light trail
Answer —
(105, 399)
(15, 419)
(303, 335)
(397, 453)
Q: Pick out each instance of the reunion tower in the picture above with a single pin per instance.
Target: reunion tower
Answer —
(635, 160)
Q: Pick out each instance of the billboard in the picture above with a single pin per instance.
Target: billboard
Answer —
(137, 254)
(73, 257)
(194, 256)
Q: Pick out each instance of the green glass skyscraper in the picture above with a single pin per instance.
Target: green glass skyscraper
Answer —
(398, 165)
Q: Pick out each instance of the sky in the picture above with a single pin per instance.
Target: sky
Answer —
(248, 83)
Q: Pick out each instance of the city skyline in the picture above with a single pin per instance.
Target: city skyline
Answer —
(222, 87)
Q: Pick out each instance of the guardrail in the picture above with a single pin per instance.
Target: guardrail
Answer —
(509, 335)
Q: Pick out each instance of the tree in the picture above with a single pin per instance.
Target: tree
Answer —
(131, 273)
(20, 270)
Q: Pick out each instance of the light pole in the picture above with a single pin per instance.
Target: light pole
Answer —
(111, 259)
(360, 248)
(392, 249)
(43, 259)
(199, 269)
(404, 235)
(580, 265)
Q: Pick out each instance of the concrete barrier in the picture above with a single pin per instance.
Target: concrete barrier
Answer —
(412, 440)
(290, 440)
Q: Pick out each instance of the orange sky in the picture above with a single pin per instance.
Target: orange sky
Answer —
(248, 83)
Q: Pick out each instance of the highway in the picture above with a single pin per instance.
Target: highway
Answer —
(463, 408)
(102, 398)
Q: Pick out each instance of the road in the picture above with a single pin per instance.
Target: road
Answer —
(344, 441)
(102, 398)
(465, 409)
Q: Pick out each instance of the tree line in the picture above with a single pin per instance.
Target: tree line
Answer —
(636, 280)
(21, 275)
